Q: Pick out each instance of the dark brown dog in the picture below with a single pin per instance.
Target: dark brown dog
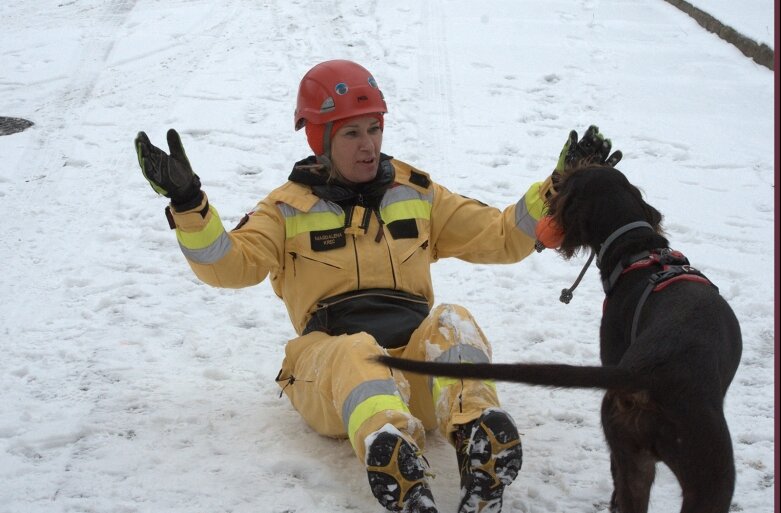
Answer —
(669, 344)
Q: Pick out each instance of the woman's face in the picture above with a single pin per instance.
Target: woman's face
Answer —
(355, 149)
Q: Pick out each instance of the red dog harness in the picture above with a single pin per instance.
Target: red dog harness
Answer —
(674, 267)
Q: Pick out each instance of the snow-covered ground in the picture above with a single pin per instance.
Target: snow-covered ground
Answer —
(128, 386)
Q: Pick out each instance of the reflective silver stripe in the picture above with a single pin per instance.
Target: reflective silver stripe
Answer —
(364, 391)
(211, 253)
(287, 210)
(459, 353)
(402, 193)
(524, 221)
(326, 206)
(320, 206)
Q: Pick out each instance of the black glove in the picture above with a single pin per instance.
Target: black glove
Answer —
(592, 145)
(171, 175)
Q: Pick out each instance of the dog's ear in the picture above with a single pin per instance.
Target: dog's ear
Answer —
(578, 234)
(586, 204)
(652, 216)
(568, 211)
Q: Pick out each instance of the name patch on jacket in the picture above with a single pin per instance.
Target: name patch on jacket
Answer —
(324, 240)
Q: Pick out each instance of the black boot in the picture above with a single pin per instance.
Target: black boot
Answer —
(397, 475)
(489, 457)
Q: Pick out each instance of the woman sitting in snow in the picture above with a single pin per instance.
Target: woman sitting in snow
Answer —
(347, 243)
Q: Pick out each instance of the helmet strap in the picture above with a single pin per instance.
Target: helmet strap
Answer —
(327, 140)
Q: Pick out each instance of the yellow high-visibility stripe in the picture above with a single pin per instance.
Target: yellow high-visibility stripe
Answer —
(407, 209)
(371, 406)
(312, 221)
(530, 209)
(535, 205)
(439, 383)
(204, 237)
(210, 254)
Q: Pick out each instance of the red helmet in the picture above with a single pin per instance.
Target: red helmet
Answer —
(336, 90)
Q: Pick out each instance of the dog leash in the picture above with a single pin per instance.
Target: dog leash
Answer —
(566, 294)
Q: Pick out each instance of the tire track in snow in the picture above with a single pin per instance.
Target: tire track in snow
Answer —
(435, 73)
(98, 42)
(49, 157)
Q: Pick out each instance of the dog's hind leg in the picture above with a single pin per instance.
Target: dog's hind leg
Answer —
(633, 474)
(701, 458)
(633, 466)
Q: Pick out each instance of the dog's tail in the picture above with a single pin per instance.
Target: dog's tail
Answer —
(544, 374)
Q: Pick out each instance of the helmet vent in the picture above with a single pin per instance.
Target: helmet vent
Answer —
(328, 105)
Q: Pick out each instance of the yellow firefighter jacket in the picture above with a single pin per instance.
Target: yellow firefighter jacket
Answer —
(317, 252)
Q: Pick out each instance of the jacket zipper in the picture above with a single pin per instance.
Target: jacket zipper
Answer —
(378, 238)
(357, 264)
(390, 260)
(412, 299)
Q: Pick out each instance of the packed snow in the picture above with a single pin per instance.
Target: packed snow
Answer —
(128, 386)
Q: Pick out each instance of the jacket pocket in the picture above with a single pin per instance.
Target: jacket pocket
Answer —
(300, 260)
(420, 247)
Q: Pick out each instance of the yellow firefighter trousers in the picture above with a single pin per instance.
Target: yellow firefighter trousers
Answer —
(340, 393)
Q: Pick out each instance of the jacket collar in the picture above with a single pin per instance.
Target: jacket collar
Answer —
(314, 173)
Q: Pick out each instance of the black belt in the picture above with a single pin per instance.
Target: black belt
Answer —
(390, 316)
